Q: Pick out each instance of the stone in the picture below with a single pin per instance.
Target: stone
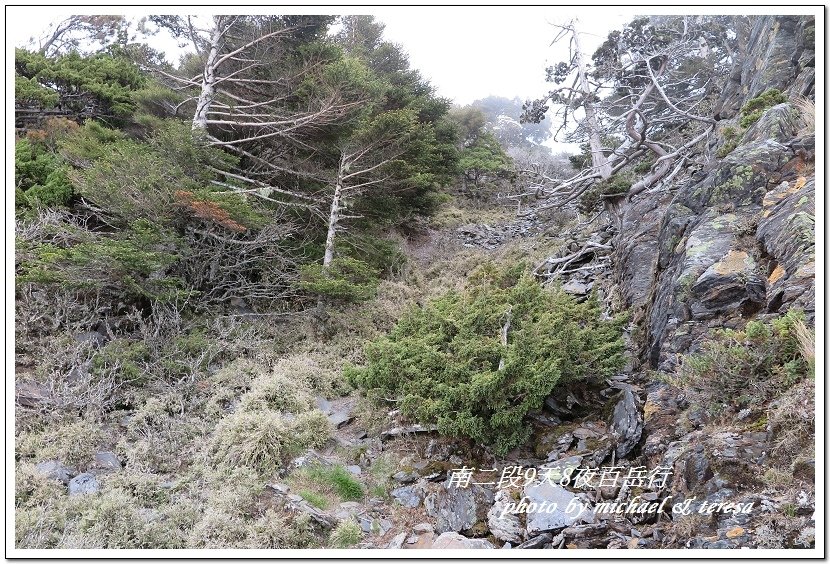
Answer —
(408, 496)
(354, 469)
(561, 508)
(323, 404)
(562, 468)
(450, 540)
(626, 423)
(54, 470)
(107, 460)
(576, 288)
(404, 477)
(397, 541)
(437, 450)
(504, 526)
(727, 285)
(93, 338)
(408, 430)
(457, 509)
(83, 484)
(421, 528)
(539, 541)
(340, 418)
(31, 394)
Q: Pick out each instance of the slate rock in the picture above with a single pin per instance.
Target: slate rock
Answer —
(397, 541)
(408, 496)
(561, 508)
(457, 509)
(504, 526)
(54, 470)
(83, 484)
(539, 541)
(107, 460)
(626, 423)
(450, 540)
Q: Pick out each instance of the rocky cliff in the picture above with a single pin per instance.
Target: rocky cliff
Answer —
(735, 239)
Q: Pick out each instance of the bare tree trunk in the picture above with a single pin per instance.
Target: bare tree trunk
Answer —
(334, 217)
(600, 163)
(208, 91)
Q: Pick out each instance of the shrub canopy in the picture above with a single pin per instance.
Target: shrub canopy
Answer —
(449, 363)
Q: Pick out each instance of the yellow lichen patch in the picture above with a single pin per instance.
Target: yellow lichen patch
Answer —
(782, 191)
(649, 409)
(736, 532)
(777, 274)
(732, 263)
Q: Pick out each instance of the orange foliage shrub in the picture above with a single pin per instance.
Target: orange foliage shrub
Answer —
(207, 210)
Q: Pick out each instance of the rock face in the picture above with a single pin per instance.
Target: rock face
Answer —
(737, 237)
(780, 55)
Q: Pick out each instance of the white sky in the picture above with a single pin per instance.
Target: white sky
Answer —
(466, 53)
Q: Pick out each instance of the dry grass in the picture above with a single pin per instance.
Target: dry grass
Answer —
(807, 343)
(806, 114)
(792, 420)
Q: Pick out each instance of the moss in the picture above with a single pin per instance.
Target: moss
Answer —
(727, 148)
(480, 529)
(810, 36)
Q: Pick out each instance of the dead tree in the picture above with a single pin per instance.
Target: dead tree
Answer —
(243, 105)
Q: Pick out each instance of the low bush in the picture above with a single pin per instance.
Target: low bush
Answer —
(753, 109)
(346, 534)
(591, 199)
(345, 279)
(739, 369)
(264, 440)
(475, 363)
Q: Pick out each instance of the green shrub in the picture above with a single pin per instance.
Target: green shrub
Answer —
(644, 166)
(729, 132)
(110, 81)
(131, 264)
(738, 369)
(591, 199)
(40, 175)
(755, 108)
(750, 118)
(346, 279)
(382, 255)
(727, 148)
(447, 365)
(339, 479)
